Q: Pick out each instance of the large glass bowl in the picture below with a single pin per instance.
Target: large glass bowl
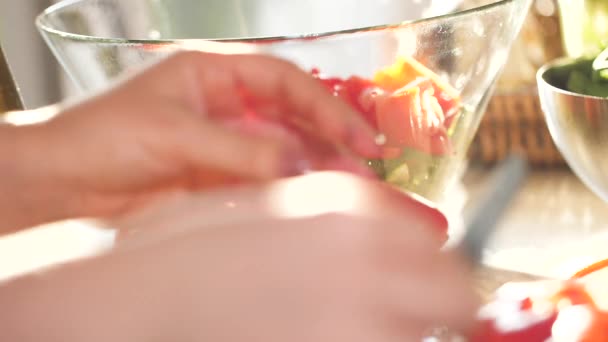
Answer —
(431, 64)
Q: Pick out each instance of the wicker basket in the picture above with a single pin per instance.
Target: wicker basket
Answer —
(514, 122)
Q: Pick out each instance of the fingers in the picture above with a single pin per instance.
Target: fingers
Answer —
(322, 156)
(297, 154)
(414, 285)
(441, 294)
(210, 146)
(218, 83)
(423, 286)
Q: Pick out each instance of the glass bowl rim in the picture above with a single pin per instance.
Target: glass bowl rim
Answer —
(264, 39)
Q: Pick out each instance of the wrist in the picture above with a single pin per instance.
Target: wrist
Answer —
(29, 196)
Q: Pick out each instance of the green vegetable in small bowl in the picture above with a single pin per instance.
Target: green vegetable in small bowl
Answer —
(586, 76)
(574, 99)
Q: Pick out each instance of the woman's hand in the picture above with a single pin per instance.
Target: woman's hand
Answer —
(369, 271)
(184, 123)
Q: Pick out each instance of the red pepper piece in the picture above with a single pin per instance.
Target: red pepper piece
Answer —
(356, 91)
(539, 332)
(591, 269)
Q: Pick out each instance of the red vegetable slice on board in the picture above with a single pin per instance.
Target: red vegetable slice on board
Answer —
(573, 294)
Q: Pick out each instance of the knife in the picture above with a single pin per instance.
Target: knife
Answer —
(481, 223)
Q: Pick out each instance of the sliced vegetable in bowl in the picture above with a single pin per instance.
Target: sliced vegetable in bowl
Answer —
(413, 109)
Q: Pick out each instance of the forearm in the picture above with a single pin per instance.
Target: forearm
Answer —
(28, 196)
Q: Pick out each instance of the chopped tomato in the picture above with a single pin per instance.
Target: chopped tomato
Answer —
(407, 118)
(406, 70)
(363, 95)
(356, 91)
(406, 102)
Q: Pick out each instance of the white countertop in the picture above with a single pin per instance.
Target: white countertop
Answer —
(555, 227)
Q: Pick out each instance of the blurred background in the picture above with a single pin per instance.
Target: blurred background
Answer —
(36, 72)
